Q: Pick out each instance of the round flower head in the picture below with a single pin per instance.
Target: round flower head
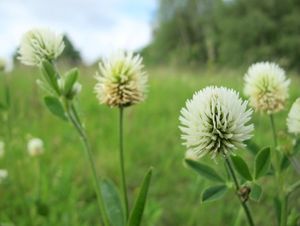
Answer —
(2, 149)
(2, 64)
(3, 174)
(38, 45)
(293, 120)
(215, 121)
(267, 87)
(121, 80)
(35, 147)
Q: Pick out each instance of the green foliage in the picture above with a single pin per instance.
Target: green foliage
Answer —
(230, 33)
(55, 107)
(213, 193)
(204, 170)
(70, 53)
(70, 79)
(112, 203)
(262, 162)
(256, 192)
(136, 215)
(66, 186)
(241, 167)
(50, 75)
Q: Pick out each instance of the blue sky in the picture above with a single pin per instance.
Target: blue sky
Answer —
(96, 27)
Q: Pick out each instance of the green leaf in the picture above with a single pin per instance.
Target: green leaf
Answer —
(112, 203)
(285, 162)
(50, 75)
(55, 107)
(262, 162)
(277, 207)
(70, 79)
(204, 170)
(138, 209)
(213, 193)
(256, 192)
(241, 167)
(252, 147)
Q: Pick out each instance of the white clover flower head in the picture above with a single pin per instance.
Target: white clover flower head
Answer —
(215, 121)
(3, 174)
(293, 119)
(35, 147)
(2, 149)
(121, 80)
(267, 87)
(2, 64)
(38, 45)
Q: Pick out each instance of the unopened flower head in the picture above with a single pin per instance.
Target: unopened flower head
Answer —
(293, 120)
(40, 44)
(267, 87)
(2, 149)
(215, 121)
(2, 64)
(121, 80)
(35, 147)
(3, 174)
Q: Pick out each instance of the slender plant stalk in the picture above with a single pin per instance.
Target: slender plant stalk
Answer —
(122, 165)
(72, 115)
(278, 175)
(237, 186)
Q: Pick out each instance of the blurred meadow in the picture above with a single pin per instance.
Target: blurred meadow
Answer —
(194, 44)
(152, 137)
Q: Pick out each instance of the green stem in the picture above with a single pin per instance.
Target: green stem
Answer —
(237, 186)
(122, 165)
(71, 112)
(273, 130)
(278, 175)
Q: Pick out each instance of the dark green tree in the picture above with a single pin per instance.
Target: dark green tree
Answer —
(70, 53)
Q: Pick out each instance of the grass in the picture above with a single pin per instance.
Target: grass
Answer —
(152, 138)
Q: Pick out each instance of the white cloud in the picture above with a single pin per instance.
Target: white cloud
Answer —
(96, 27)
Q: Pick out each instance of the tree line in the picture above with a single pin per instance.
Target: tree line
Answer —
(226, 32)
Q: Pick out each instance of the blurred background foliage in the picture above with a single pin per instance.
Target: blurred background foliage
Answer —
(226, 32)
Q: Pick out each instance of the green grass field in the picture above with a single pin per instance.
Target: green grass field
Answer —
(152, 138)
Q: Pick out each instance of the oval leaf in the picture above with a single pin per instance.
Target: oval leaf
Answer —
(112, 203)
(71, 78)
(256, 192)
(138, 209)
(50, 75)
(262, 162)
(55, 107)
(241, 167)
(204, 170)
(213, 193)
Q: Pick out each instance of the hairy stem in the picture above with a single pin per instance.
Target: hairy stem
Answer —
(237, 186)
(122, 165)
